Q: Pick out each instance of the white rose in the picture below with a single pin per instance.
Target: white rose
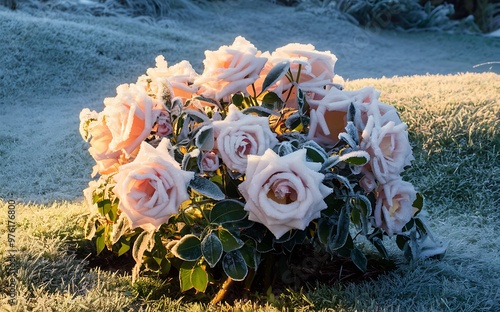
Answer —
(283, 193)
(389, 149)
(152, 187)
(394, 206)
(240, 135)
(230, 69)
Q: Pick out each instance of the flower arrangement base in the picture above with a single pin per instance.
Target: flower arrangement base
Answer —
(262, 173)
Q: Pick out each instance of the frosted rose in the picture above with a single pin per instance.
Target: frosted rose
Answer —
(174, 81)
(367, 182)
(130, 117)
(316, 71)
(389, 149)
(152, 187)
(240, 135)
(230, 69)
(283, 193)
(163, 125)
(209, 162)
(394, 206)
(99, 136)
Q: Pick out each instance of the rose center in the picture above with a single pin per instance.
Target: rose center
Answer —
(244, 147)
(282, 193)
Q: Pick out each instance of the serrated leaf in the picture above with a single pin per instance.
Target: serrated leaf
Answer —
(228, 210)
(204, 139)
(145, 241)
(188, 248)
(185, 272)
(314, 154)
(325, 227)
(359, 259)
(100, 244)
(229, 241)
(199, 279)
(234, 265)
(90, 228)
(206, 187)
(211, 248)
(125, 246)
(121, 226)
(276, 73)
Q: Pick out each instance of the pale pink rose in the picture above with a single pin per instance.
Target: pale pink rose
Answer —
(86, 117)
(152, 187)
(209, 162)
(99, 137)
(240, 135)
(130, 117)
(394, 206)
(173, 81)
(283, 193)
(389, 149)
(368, 181)
(316, 72)
(163, 124)
(230, 69)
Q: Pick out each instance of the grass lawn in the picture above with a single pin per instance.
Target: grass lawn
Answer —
(454, 125)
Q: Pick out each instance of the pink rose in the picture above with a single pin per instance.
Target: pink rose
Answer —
(99, 137)
(152, 187)
(163, 124)
(173, 81)
(230, 69)
(209, 162)
(240, 135)
(394, 206)
(283, 193)
(389, 149)
(316, 71)
(130, 117)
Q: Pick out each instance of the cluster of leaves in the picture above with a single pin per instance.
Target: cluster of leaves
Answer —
(210, 240)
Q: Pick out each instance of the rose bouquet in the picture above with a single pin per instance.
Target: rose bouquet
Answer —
(205, 176)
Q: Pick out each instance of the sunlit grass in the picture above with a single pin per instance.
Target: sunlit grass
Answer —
(454, 128)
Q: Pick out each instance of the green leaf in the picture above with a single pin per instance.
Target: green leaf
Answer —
(237, 99)
(228, 210)
(206, 187)
(315, 153)
(188, 248)
(377, 242)
(125, 246)
(275, 74)
(185, 272)
(401, 241)
(234, 265)
(199, 279)
(211, 248)
(104, 206)
(145, 241)
(260, 111)
(342, 229)
(293, 121)
(204, 139)
(251, 256)
(229, 241)
(301, 102)
(325, 228)
(272, 101)
(419, 202)
(359, 259)
(100, 241)
(358, 158)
